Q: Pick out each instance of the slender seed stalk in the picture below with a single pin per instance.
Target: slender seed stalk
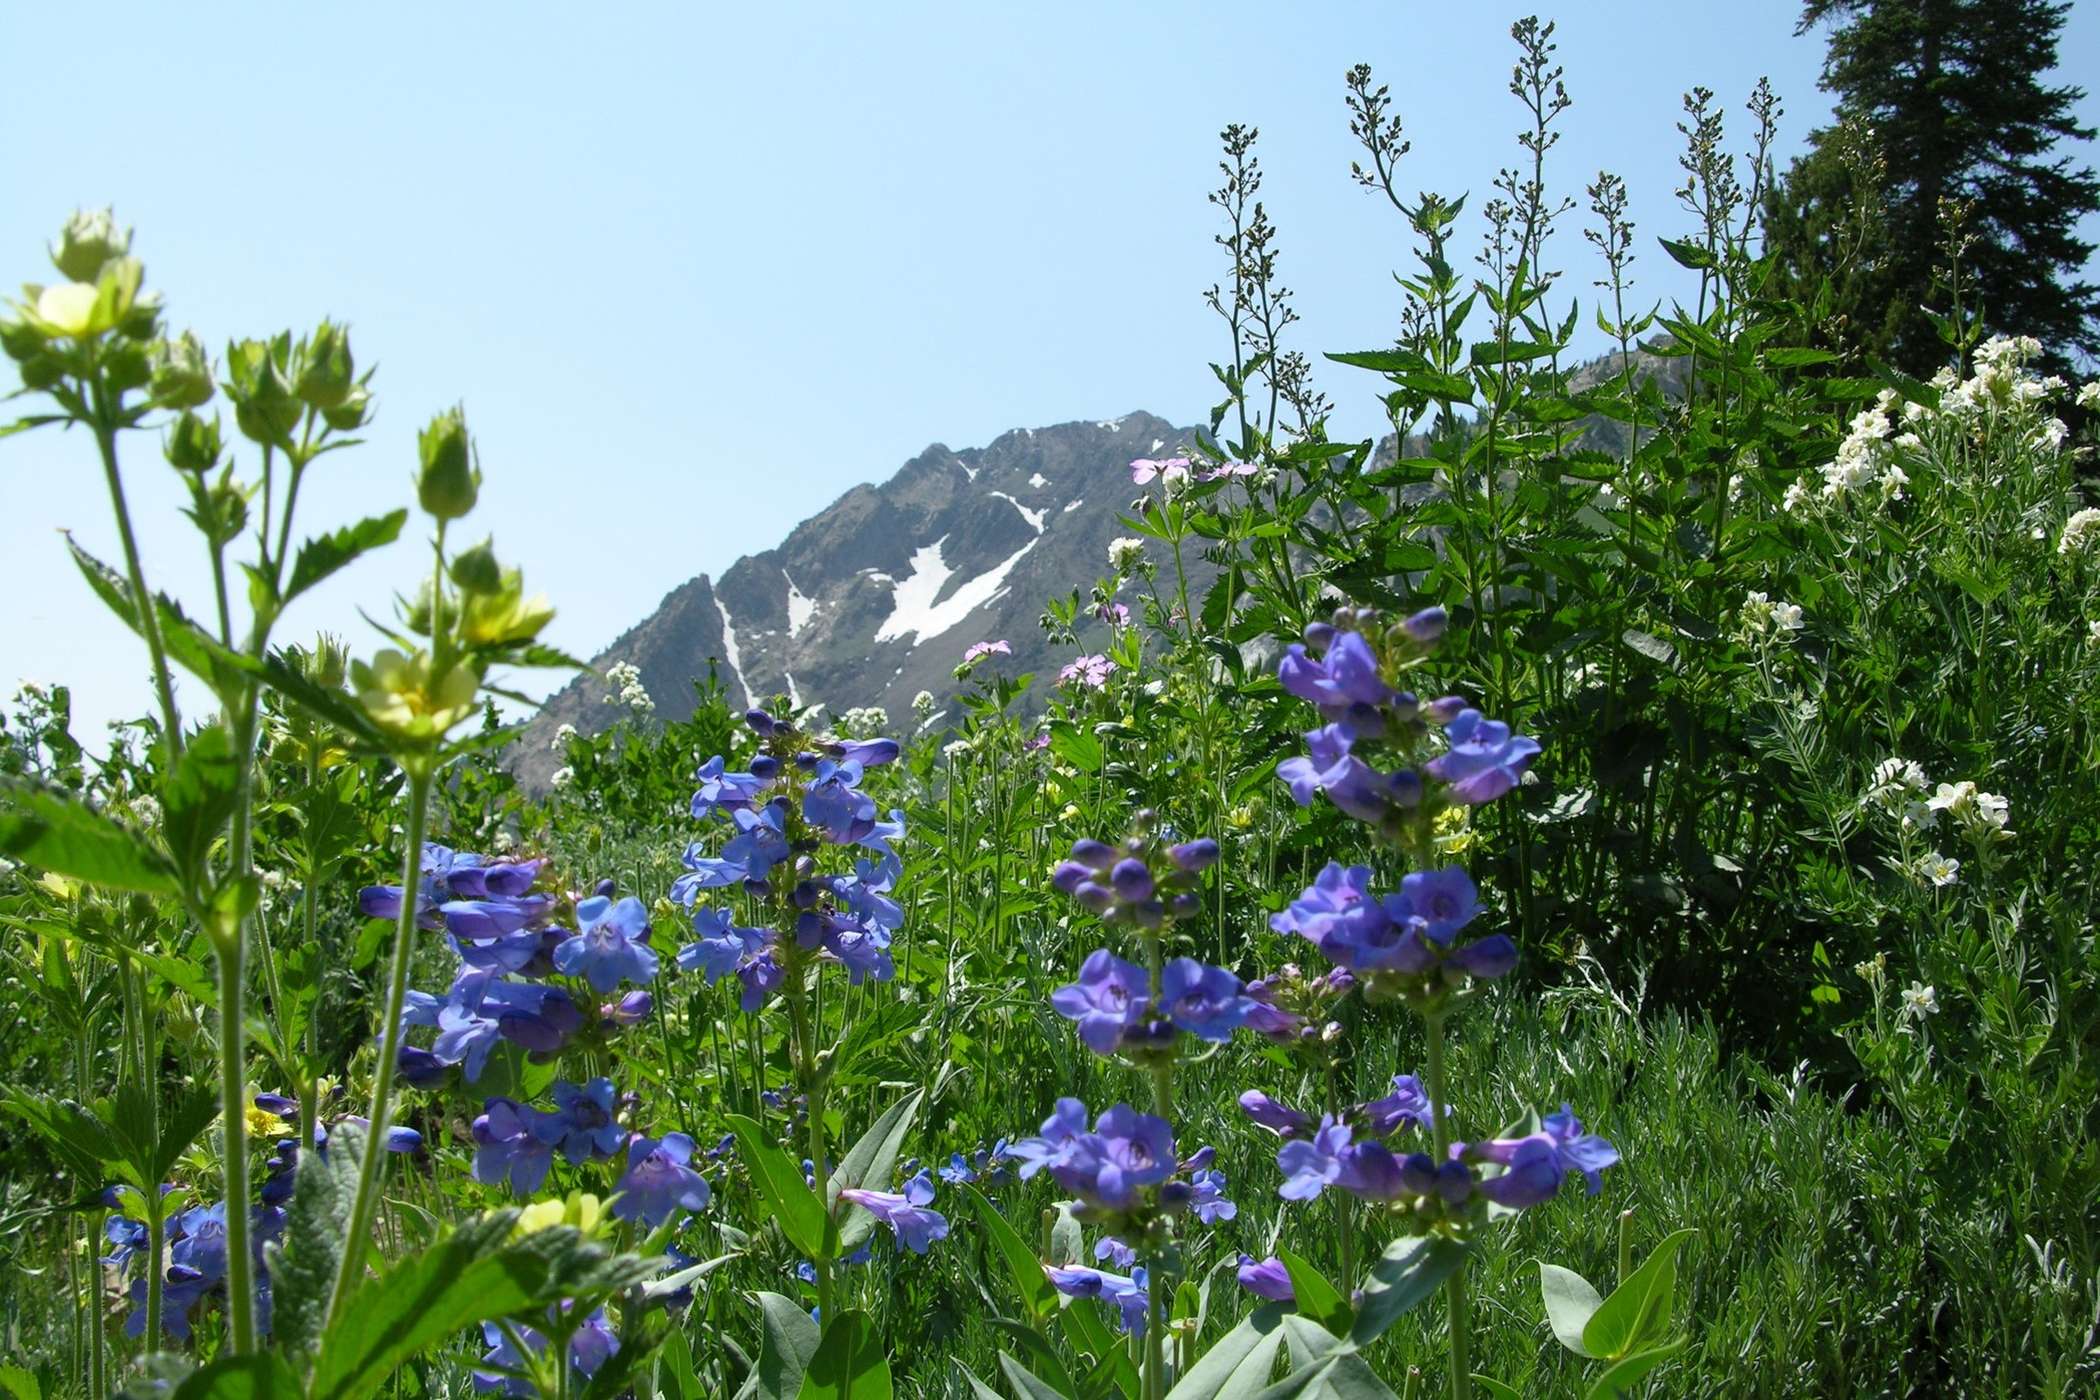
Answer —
(372, 1171)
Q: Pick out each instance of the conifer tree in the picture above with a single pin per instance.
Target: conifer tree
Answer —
(1947, 138)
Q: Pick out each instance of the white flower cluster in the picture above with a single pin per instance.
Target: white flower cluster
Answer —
(2081, 532)
(1865, 467)
(1126, 554)
(562, 778)
(625, 678)
(922, 705)
(2089, 395)
(2001, 387)
(562, 737)
(1898, 786)
(864, 721)
(1979, 816)
(1763, 619)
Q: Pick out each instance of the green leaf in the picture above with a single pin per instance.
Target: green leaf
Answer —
(1238, 1364)
(786, 1344)
(868, 1164)
(318, 558)
(787, 1196)
(20, 1384)
(1407, 1273)
(261, 1375)
(849, 1364)
(1498, 1390)
(1317, 1298)
(302, 1267)
(1689, 255)
(1630, 1370)
(56, 833)
(1638, 1311)
(82, 1141)
(199, 797)
(1037, 1293)
(1027, 1385)
(978, 1388)
(1324, 1367)
(1570, 1304)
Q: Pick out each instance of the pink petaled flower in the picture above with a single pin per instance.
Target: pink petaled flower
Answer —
(1229, 469)
(1113, 612)
(982, 649)
(1089, 671)
(1144, 469)
(1040, 741)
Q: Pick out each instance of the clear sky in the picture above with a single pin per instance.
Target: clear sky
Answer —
(695, 269)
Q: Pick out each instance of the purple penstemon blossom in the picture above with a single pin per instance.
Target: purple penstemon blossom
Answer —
(1280, 1119)
(904, 1212)
(1128, 1293)
(1111, 996)
(1344, 683)
(721, 792)
(659, 1180)
(591, 1345)
(585, 1122)
(1207, 1002)
(509, 1146)
(834, 804)
(610, 945)
(1484, 761)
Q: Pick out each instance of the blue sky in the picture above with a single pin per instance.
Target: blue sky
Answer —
(695, 270)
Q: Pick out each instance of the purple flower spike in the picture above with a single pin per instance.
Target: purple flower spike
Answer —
(1267, 1278)
(1110, 996)
(1311, 1165)
(1408, 1103)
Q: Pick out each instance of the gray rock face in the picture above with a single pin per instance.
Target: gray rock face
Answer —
(874, 598)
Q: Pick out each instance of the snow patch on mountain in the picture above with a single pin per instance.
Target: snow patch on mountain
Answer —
(1033, 517)
(917, 609)
(801, 607)
(730, 653)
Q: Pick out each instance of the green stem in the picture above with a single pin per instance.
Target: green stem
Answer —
(373, 1170)
(1455, 1286)
(806, 1068)
(156, 1241)
(233, 1123)
(148, 617)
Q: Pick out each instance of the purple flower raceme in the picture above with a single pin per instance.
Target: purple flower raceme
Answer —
(1412, 934)
(1144, 881)
(1532, 1168)
(904, 1212)
(1110, 998)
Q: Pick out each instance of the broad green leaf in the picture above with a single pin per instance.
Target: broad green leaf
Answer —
(787, 1196)
(672, 1283)
(1637, 1314)
(1324, 1367)
(82, 1141)
(20, 1384)
(1408, 1272)
(261, 1375)
(1497, 1390)
(56, 833)
(199, 797)
(676, 1375)
(868, 1164)
(978, 1388)
(786, 1344)
(1630, 1370)
(318, 558)
(1037, 1293)
(849, 1364)
(1317, 1298)
(1239, 1363)
(1570, 1304)
(1042, 1357)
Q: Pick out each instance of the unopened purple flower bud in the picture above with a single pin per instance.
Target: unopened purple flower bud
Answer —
(1195, 856)
(1094, 855)
(1318, 636)
(1202, 1160)
(808, 761)
(1418, 1173)
(1175, 1196)
(1069, 875)
(1132, 881)
(1444, 709)
(1147, 1037)
(762, 722)
(1098, 898)
(764, 767)
(1427, 625)
(606, 889)
(1184, 906)
(1454, 1182)
(1150, 916)
(629, 1010)
(806, 893)
(759, 889)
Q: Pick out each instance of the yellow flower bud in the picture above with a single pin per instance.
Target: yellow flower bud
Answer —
(405, 699)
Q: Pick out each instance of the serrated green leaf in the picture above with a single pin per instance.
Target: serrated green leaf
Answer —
(46, 829)
(325, 554)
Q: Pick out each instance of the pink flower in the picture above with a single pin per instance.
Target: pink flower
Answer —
(1113, 612)
(979, 650)
(1144, 469)
(1092, 672)
(1040, 741)
(1229, 469)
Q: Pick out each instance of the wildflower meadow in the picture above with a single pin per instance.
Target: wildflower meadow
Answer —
(1587, 892)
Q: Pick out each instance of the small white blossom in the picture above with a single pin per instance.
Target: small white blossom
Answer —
(2089, 395)
(562, 736)
(1920, 1001)
(1939, 871)
(2081, 532)
(562, 777)
(1125, 554)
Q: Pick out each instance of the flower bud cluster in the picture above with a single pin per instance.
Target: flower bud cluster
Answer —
(1144, 881)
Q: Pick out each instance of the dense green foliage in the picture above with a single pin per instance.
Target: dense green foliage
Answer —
(1802, 883)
